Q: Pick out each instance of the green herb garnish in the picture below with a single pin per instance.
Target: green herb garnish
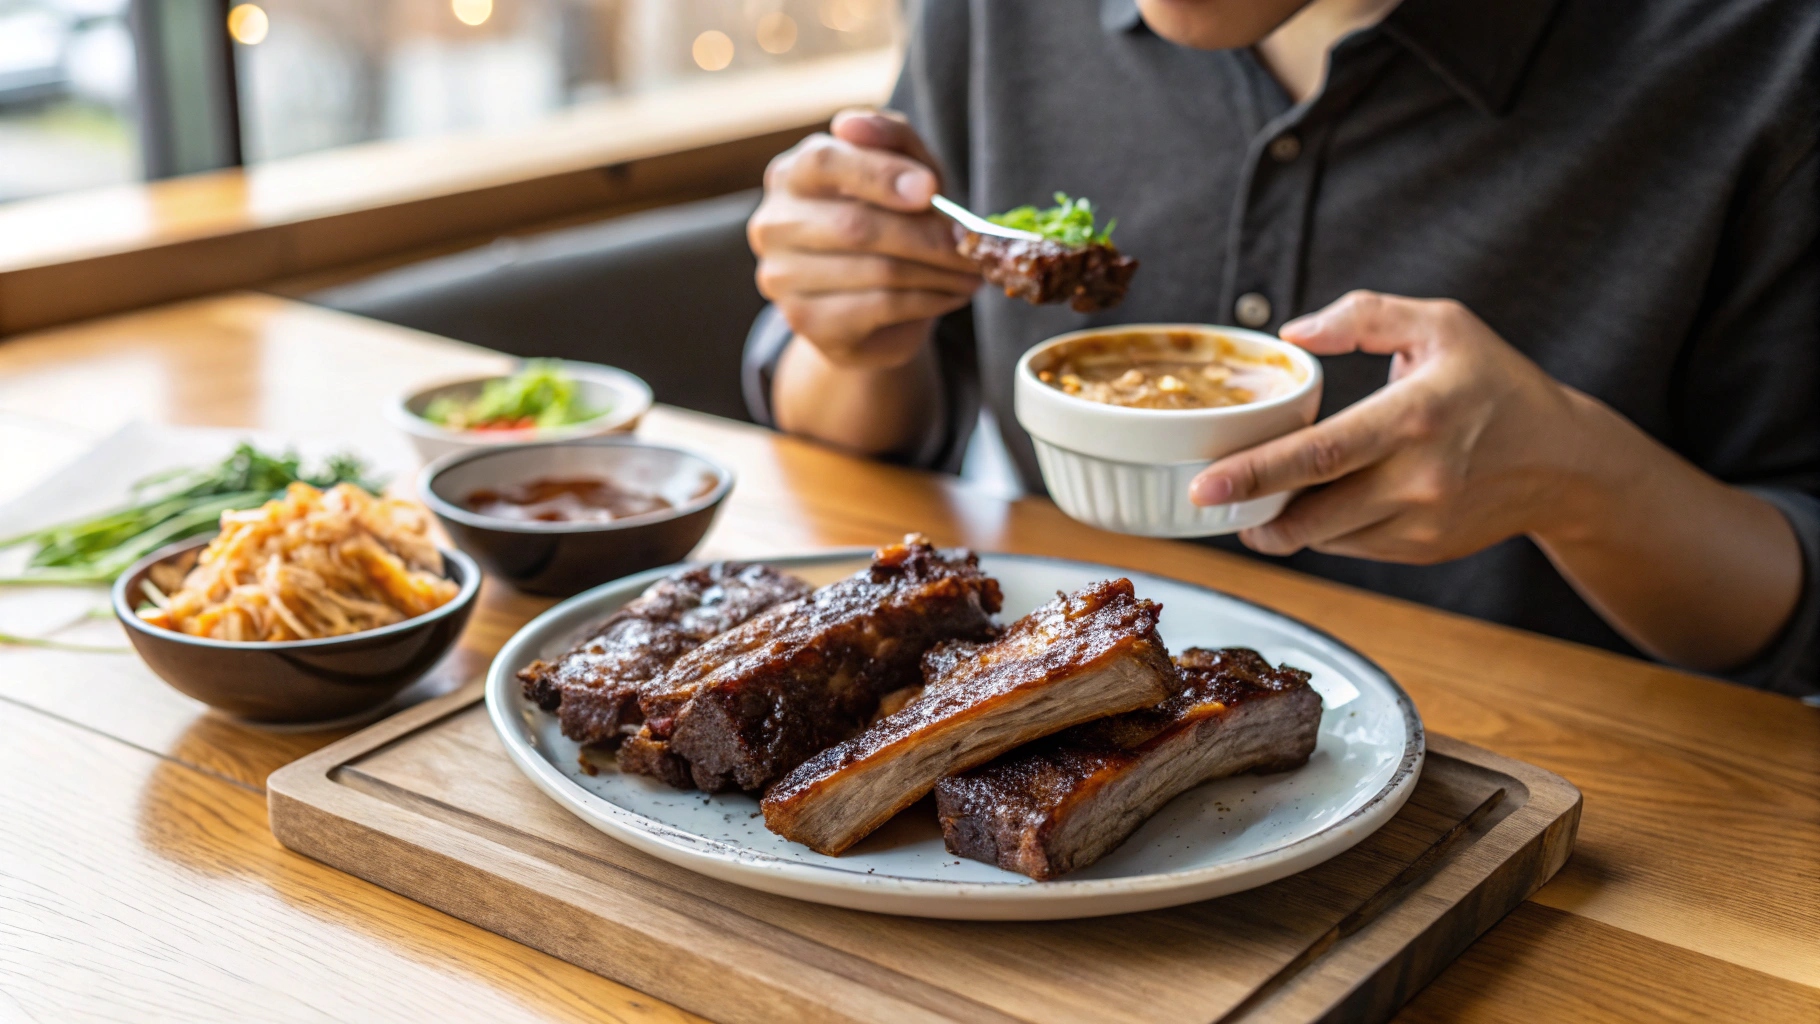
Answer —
(169, 507)
(542, 394)
(1069, 221)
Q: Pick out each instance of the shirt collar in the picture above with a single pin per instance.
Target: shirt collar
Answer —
(1481, 49)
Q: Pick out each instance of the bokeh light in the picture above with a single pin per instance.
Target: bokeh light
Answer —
(472, 12)
(849, 15)
(248, 24)
(776, 32)
(713, 50)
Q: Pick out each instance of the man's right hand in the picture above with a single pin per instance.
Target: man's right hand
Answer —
(849, 249)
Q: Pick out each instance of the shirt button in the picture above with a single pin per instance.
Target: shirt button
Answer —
(1252, 309)
(1285, 148)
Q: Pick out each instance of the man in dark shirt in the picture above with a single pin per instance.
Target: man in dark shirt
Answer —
(1608, 431)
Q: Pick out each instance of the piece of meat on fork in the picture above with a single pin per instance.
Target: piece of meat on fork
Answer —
(594, 688)
(1088, 277)
(1067, 801)
(754, 702)
(1080, 657)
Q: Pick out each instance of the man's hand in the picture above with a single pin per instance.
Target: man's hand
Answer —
(1469, 444)
(849, 249)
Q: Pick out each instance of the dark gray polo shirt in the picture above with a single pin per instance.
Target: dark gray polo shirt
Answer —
(1626, 190)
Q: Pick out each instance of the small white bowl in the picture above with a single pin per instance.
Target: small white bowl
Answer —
(1128, 470)
(625, 396)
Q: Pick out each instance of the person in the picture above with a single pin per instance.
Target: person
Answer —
(1559, 260)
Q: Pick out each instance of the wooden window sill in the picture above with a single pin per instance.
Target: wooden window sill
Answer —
(83, 254)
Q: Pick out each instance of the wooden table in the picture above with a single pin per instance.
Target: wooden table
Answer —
(138, 879)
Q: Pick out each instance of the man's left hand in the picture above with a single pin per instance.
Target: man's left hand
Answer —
(1470, 442)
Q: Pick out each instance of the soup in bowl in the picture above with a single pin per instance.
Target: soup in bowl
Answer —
(1124, 417)
(1166, 368)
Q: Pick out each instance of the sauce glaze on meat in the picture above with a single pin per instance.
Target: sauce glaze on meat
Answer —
(1089, 278)
(1062, 803)
(749, 705)
(594, 688)
(1082, 656)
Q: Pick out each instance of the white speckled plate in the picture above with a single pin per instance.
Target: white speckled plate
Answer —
(1218, 838)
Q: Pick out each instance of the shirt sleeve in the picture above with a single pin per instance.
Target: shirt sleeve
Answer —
(932, 92)
(1746, 401)
(957, 359)
(1792, 663)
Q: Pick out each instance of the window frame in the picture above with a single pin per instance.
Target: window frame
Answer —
(189, 96)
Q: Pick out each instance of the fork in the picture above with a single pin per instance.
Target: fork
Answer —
(977, 224)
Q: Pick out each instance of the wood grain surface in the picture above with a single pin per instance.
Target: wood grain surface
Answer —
(1695, 882)
(427, 804)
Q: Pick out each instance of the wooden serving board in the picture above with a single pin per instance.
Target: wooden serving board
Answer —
(427, 804)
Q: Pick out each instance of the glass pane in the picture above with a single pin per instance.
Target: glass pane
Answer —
(66, 96)
(322, 73)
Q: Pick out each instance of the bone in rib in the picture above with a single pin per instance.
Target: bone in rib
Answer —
(754, 702)
(1078, 658)
(594, 688)
(1061, 804)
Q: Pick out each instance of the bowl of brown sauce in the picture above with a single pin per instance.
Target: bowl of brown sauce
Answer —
(1122, 418)
(557, 519)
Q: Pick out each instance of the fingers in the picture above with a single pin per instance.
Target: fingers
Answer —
(1394, 539)
(787, 223)
(1318, 516)
(883, 129)
(1364, 321)
(1424, 470)
(839, 323)
(812, 273)
(1348, 441)
(823, 166)
(848, 248)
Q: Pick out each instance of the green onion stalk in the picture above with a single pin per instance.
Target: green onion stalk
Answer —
(167, 508)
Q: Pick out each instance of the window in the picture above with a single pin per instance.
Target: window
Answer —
(321, 73)
(97, 92)
(66, 96)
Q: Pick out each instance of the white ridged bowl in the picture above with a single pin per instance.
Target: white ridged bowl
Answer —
(1128, 470)
(625, 396)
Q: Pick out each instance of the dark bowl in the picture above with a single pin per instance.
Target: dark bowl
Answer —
(296, 681)
(562, 559)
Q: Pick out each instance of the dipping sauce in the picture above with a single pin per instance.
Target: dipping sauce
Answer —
(585, 499)
(1174, 370)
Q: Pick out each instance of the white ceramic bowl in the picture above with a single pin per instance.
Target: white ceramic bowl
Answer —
(625, 396)
(1128, 470)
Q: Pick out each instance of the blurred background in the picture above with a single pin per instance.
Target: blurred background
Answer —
(99, 92)
(564, 178)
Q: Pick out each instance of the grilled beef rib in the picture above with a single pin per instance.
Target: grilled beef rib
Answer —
(754, 702)
(593, 689)
(1088, 277)
(1079, 657)
(1063, 803)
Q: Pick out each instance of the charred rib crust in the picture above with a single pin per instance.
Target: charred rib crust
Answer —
(1089, 277)
(754, 702)
(1059, 805)
(594, 687)
(1077, 658)
(642, 755)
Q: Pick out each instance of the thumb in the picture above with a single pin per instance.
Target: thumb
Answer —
(890, 130)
